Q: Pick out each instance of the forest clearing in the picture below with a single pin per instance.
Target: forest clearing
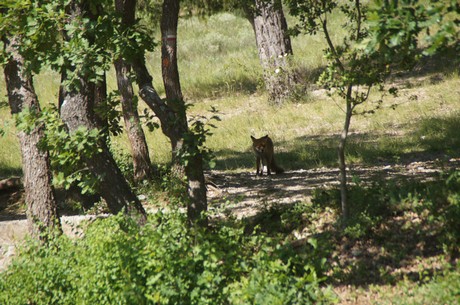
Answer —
(287, 238)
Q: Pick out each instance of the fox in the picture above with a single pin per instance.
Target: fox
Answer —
(265, 156)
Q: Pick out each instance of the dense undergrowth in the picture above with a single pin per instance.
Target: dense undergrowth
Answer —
(164, 262)
(403, 234)
(394, 226)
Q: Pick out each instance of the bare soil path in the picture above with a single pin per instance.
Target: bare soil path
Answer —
(244, 193)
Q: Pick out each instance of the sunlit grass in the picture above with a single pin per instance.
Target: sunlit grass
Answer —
(219, 67)
(10, 157)
(306, 134)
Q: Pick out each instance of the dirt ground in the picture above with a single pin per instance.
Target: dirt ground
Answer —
(243, 194)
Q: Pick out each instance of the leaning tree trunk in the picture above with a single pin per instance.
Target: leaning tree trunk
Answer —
(170, 73)
(40, 198)
(167, 117)
(274, 45)
(87, 200)
(136, 136)
(112, 186)
(77, 110)
(171, 114)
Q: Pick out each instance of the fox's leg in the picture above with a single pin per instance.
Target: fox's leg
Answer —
(258, 161)
(268, 167)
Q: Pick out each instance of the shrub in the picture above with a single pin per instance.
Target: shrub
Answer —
(163, 262)
(442, 289)
(435, 203)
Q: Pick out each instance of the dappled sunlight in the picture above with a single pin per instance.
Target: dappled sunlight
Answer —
(245, 194)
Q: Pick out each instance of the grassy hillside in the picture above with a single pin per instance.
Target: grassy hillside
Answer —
(395, 247)
(219, 67)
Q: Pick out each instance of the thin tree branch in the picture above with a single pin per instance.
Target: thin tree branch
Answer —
(331, 46)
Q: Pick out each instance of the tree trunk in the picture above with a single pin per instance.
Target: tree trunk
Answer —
(100, 103)
(112, 186)
(171, 114)
(341, 155)
(139, 148)
(274, 45)
(77, 110)
(87, 200)
(194, 170)
(170, 73)
(40, 198)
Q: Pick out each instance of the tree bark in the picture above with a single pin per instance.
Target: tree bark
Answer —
(171, 113)
(341, 155)
(113, 187)
(171, 81)
(345, 130)
(42, 215)
(87, 200)
(274, 45)
(136, 136)
(194, 169)
(170, 74)
(139, 148)
(343, 166)
(77, 110)
(100, 103)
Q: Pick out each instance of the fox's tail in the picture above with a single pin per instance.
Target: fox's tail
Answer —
(276, 168)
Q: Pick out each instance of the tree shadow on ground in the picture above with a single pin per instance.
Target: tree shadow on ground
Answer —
(432, 138)
(7, 171)
(12, 204)
(403, 223)
(435, 66)
(244, 84)
(398, 229)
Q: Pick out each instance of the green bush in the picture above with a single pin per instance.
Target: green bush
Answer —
(435, 203)
(442, 289)
(163, 262)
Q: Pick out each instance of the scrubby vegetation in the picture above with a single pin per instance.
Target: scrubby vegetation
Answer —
(164, 262)
(400, 245)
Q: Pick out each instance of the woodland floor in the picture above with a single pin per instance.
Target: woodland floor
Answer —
(244, 195)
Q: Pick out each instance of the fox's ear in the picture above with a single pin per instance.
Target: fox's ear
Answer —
(266, 136)
(253, 138)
